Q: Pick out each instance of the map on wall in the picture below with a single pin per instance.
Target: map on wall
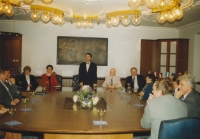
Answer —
(72, 50)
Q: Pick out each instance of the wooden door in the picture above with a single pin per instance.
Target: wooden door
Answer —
(11, 46)
(149, 57)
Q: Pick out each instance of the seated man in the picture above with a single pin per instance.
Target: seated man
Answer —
(162, 105)
(112, 81)
(135, 81)
(6, 97)
(189, 95)
(12, 87)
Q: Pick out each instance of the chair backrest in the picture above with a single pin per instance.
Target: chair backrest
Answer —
(59, 79)
(75, 82)
(182, 128)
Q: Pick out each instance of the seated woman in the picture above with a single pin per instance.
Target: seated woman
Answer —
(26, 80)
(49, 79)
(147, 89)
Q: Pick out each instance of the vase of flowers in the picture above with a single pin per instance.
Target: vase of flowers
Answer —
(86, 97)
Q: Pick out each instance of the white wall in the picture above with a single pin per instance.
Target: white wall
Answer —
(39, 44)
(193, 33)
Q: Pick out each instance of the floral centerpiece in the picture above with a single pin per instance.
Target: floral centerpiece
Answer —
(86, 97)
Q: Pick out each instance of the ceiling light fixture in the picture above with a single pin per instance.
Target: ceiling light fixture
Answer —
(56, 15)
(169, 10)
(47, 1)
(6, 6)
(114, 18)
(84, 21)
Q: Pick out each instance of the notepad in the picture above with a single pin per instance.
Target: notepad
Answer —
(33, 100)
(40, 93)
(100, 123)
(138, 105)
(12, 123)
(26, 109)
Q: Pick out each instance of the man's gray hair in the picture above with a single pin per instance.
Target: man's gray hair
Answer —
(189, 79)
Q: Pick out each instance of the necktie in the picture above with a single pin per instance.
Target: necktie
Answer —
(111, 81)
(87, 66)
(133, 80)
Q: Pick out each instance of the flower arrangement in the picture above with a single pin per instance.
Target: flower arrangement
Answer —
(86, 96)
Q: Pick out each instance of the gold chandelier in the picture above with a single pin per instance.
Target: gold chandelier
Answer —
(56, 15)
(7, 9)
(168, 10)
(84, 21)
(114, 18)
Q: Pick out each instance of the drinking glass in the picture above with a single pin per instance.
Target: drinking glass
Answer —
(47, 84)
(11, 112)
(25, 101)
(33, 95)
(129, 93)
(139, 98)
(101, 113)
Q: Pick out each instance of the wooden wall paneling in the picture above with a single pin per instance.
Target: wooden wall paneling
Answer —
(182, 56)
(148, 59)
(11, 48)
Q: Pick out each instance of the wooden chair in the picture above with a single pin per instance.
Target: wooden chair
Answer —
(75, 82)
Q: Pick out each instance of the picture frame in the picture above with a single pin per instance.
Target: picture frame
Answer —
(71, 50)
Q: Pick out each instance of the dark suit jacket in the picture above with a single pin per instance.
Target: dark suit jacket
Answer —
(24, 83)
(147, 91)
(5, 98)
(16, 94)
(140, 79)
(192, 101)
(90, 77)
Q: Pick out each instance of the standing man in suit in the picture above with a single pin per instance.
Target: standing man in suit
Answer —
(188, 95)
(112, 81)
(88, 72)
(136, 81)
(162, 105)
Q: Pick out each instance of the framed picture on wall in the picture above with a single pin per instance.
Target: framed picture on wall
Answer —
(72, 50)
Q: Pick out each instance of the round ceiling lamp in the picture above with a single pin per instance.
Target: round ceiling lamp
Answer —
(47, 1)
(28, 2)
(161, 18)
(115, 21)
(35, 16)
(1, 7)
(78, 23)
(45, 17)
(136, 20)
(108, 23)
(126, 20)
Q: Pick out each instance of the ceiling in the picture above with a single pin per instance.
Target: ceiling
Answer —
(102, 7)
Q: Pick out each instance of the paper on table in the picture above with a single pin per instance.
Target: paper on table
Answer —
(12, 123)
(26, 109)
(100, 123)
(139, 105)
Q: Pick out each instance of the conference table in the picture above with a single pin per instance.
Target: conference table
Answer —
(58, 117)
